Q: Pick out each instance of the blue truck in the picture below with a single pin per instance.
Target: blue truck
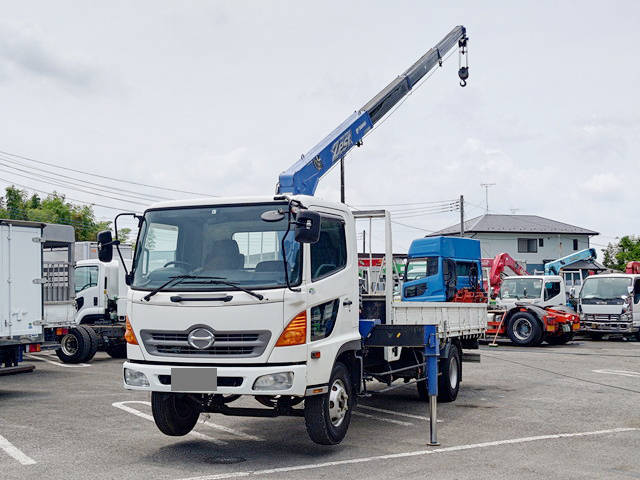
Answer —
(438, 268)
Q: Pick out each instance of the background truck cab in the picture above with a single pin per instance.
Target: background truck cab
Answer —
(610, 304)
(439, 267)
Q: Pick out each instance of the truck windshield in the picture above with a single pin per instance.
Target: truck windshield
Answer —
(230, 243)
(521, 288)
(604, 290)
(420, 267)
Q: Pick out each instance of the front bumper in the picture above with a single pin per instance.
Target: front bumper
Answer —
(610, 324)
(240, 380)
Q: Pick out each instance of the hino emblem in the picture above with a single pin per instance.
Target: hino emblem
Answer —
(201, 338)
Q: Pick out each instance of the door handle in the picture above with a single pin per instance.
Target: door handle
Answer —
(347, 302)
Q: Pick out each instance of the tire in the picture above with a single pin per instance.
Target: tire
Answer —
(525, 330)
(327, 416)
(75, 346)
(175, 415)
(117, 351)
(559, 339)
(450, 374)
(638, 336)
(95, 342)
(596, 336)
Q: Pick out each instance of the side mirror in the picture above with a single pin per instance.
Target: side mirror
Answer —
(630, 290)
(307, 227)
(105, 246)
(572, 292)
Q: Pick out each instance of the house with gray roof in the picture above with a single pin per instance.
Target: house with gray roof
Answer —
(529, 239)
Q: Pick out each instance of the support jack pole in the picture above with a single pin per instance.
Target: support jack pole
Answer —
(432, 353)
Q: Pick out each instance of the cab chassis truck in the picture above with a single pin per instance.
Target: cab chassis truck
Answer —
(211, 318)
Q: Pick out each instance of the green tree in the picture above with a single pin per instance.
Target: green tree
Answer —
(617, 255)
(17, 205)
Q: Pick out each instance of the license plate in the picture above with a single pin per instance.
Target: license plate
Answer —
(197, 379)
(566, 328)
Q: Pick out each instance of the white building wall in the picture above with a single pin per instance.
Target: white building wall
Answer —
(554, 246)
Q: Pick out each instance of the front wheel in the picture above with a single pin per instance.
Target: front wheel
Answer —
(524, 330)
(327, 416)
(175, 415)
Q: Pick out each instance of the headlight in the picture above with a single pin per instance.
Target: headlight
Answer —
(274, 381)
(134, 378)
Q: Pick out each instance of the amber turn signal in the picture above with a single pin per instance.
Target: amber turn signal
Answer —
(296, 331)
(129, 336)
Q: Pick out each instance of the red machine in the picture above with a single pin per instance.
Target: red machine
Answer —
(502, 261)
(530, 322)
(633, 267)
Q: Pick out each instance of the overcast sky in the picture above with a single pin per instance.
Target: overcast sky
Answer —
(220, 97)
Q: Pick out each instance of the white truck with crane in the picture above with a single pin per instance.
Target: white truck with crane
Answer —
(531, 309)
(259, 296)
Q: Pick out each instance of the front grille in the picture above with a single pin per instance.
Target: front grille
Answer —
(227, 344)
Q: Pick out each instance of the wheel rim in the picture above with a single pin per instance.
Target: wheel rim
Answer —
(338, 403)
(453, 372)
(69, 344)
(522, 329)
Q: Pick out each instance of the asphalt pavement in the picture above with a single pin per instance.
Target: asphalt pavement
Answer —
(571, 411)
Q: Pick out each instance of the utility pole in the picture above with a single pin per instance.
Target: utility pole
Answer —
(364, 241)
(486, 194)
(462, 215)
(342, 180)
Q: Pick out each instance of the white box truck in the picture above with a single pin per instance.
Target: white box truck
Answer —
(36, 304)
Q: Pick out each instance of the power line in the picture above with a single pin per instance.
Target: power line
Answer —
(8, 182)
(367, 205)
(58, 184)
(111, 188)
(104, 176)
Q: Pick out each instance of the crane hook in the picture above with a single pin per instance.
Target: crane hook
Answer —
(463, 73)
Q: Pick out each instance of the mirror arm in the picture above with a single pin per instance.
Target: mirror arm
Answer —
(116, 242)
(282, 249)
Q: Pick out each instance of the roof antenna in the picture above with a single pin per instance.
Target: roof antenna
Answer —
(486, 195)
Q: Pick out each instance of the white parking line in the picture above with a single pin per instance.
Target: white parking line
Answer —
(409, 454)
(11, 450)
(391, 412)
(65, 365)
(624, 373)
(231, 431)
(382, 419)
(138, 413)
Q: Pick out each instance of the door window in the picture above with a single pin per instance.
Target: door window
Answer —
(85, 277)
(636, 291)
(551, 289)
(329, 253)
(323, 319)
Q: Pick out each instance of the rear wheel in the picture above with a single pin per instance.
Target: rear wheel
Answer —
(327, 416)
(95, 342)
(596, 336)
(75, 346)
(117, 351)
(559, 339)
(175, 415)
(450, 374)
(524, 329)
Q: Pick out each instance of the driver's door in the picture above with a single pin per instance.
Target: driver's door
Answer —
(87, 289)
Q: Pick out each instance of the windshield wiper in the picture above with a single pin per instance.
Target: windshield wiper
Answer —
(173, 281)
(222, 281)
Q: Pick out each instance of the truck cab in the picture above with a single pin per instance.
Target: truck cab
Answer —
(610, 304)
(540, 290)
(437, 268)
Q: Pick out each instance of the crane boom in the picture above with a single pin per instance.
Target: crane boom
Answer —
(553, 268)
(303, 176)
